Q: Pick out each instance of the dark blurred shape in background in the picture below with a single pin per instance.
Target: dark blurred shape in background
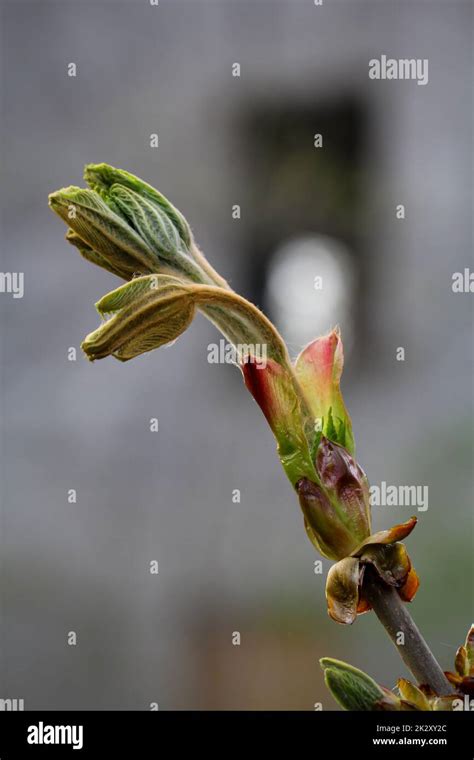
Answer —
(305, 176)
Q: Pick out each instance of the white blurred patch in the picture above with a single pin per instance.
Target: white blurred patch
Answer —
(310, 288)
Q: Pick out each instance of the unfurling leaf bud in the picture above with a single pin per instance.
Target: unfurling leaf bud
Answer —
(148, 312)
(153, 310)
(129, 228)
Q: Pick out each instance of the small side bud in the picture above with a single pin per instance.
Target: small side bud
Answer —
(355, 690)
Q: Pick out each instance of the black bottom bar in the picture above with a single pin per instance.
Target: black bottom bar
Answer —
(153, 734)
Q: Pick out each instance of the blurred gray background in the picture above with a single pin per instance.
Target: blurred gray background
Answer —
(167, 496)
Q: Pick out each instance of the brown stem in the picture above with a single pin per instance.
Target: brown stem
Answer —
(394, 616)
